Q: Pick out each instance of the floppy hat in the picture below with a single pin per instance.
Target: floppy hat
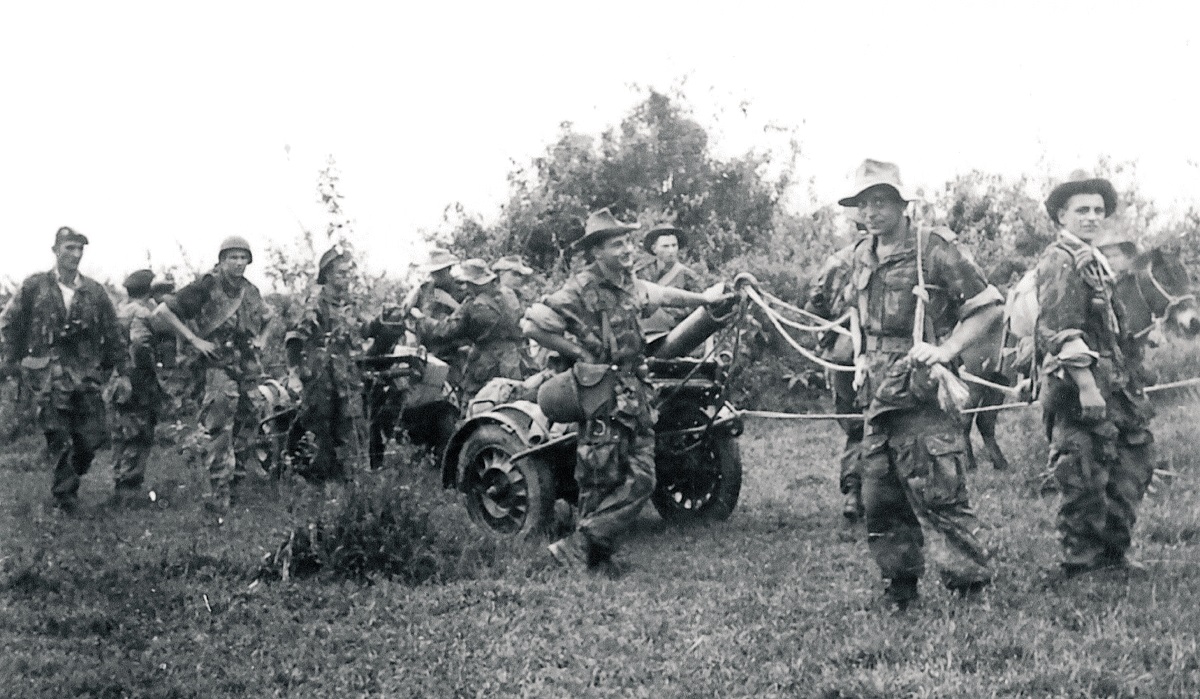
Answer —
(330, 256)
(602, 225)
(872, 173)
(68, 234)
(659, 231)
(474, 271)
(1081, 182)
(439, 259)
(511, 263)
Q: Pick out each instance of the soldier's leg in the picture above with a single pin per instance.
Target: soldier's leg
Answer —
(129, 448)
(217, 413)
(383, 412)
(349, 437)
(615, 472)
(89, 428)
(933, 476)
(850, 475)
(1127, 484)
(58, 453)
(245, 432)
(1075, 458)
(893, 531)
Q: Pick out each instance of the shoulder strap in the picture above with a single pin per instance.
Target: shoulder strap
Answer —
(226, 313)
(670, 275)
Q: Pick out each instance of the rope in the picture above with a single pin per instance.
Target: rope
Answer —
(808, 354)
(1173, 384)
(822, 325)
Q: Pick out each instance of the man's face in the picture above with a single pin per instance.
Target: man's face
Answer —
(615, 253)
(441, 278)
(339, 275)
(1082, 215)
(666, 249)
(233, 263)
(881, 209)
(68, 254)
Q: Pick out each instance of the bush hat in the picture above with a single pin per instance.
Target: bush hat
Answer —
(474, 271)
(872, 173)
(512, 263)
(1081, 182)
(69, 235)
(439, 258)
(659, 231)
(333, 254)
(602, 225)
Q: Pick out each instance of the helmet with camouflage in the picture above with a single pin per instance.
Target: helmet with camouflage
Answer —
(235, 242)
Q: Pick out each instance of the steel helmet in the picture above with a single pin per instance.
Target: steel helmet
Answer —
(235, 242)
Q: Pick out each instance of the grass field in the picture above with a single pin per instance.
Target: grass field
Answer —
(781, 600)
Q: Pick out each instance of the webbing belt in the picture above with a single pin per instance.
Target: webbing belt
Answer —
(887, 343)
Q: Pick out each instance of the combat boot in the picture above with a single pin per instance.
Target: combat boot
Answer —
(901, 593)
(569, 553)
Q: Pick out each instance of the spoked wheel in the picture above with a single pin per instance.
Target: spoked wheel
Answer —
(698, 478)
(506, 498)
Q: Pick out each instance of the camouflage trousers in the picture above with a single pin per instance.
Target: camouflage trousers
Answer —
(73, 419)
(913, 463)
(844, 401)
(228, 424)
(334, 415)
(133, 438)
(1102, 472)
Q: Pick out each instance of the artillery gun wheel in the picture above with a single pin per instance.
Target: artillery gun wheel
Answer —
(506, 498)
(701, 484)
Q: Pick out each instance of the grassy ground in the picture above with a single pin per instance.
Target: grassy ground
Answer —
(778, 601)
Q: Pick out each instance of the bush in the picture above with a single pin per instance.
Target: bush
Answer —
(382, 527)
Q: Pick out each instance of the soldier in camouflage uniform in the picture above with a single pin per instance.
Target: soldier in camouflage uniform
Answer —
(230, 318)
(827, 300)
(600, 307)
(913, 452)
(486, 322)
(664, 268)
(321, 349)
(62, 329)
(437, 298)
(514, 275)
(1101, 447)
(138, 402)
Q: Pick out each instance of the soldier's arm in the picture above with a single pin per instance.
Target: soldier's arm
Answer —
(115, 345)
(14, 325)
(978, 303)
(659, 295)
(547, 322)
(455, 326)
(1063, 301)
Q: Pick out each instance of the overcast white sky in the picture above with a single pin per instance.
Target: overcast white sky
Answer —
(159, 125)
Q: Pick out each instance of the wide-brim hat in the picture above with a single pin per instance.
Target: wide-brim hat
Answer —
(333, 254)
(1115, 233)
(512, 263)
(872, 173)
(474, 271)
(602, 225)
(439, 259)
(1081, 182)
(659, 231)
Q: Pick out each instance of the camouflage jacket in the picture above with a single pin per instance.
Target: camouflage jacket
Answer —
(679, 275)
(233, 317)
(1078, 323)
(601, 312)
(331, 334)
(134, 318)
(882, 291)
(84, 340)
(829, 290)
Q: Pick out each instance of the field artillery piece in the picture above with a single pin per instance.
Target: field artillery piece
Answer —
(510, 463)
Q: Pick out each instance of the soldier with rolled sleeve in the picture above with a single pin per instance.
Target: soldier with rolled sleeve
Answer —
(322, 347)
(1095, 412)
(62, 329)
(600, 307)
(913, 453)
(230, 317)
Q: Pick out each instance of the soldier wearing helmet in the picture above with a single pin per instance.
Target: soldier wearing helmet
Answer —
(321, 348)
(223, 316)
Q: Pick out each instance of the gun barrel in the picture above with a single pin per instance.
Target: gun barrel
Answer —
(690, 333)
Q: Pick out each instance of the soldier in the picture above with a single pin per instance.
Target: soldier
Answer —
(230, 318)
(513, 276)
(827, 299)
(663, 242)
(141, 395)
(913, 452)
(1101, 447)
(62, 329)
(487, 322)
(600, 306)
(321, 349)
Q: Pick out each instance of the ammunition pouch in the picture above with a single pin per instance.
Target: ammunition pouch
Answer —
(578, 394)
